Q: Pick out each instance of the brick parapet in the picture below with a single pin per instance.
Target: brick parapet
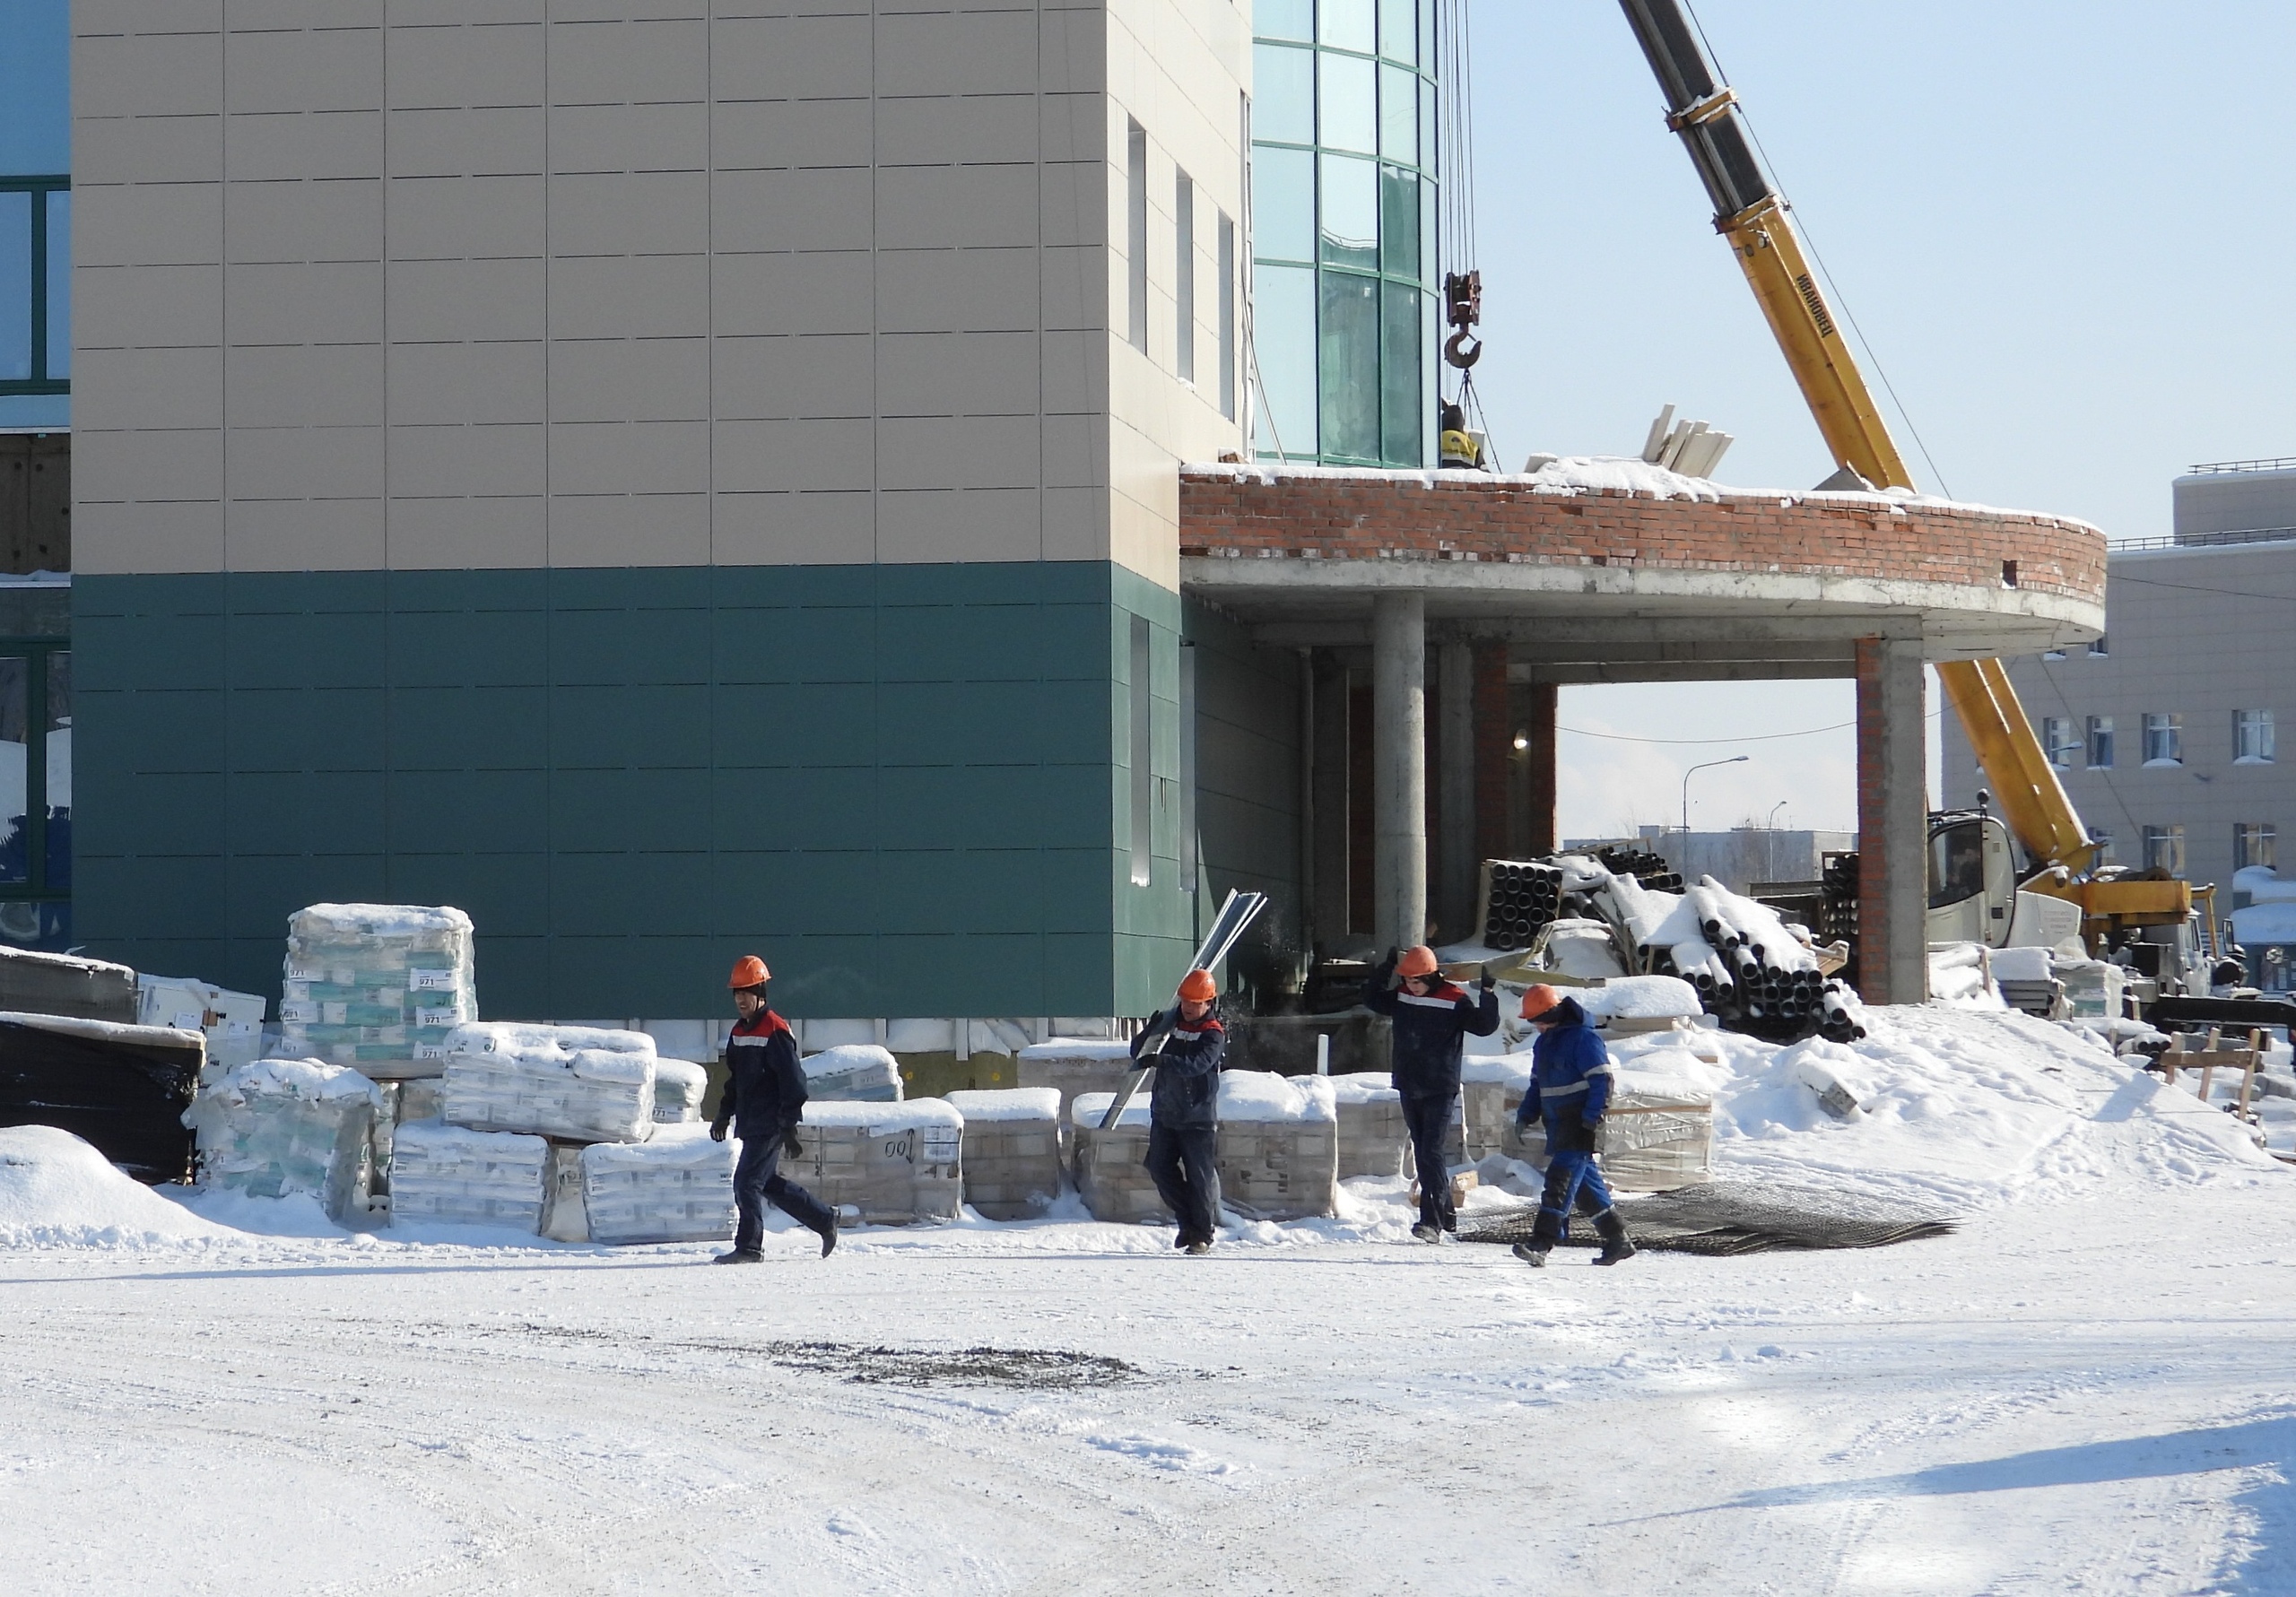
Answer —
(1257, 513)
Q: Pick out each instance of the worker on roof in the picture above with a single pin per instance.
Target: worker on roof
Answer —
(1184, 1109)
(1431, 1020)
(763, 1101)
(1569, 1092)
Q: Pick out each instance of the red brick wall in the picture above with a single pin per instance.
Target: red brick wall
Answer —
(1253, 513)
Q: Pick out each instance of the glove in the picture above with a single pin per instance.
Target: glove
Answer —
(718, 1132)
(791, 1147)
(1488, 982)
(1585, 1141)
(1387, 977)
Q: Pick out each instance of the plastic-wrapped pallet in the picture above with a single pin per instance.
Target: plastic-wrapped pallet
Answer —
(577, 1083)
(1278, 1145)
(1071, 1065)
(1011, 1151)
(677, 1187)
(679, 1088)
(853, 1073)
(441, 1172)
(897, 1163)
(1109, 1175)
(377, 986)
(1373, 1140)
(282, 1127)
(1494, 1085)
(1657, 1134)
(564, 1217)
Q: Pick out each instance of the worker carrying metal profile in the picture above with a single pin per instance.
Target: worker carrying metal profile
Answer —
(763, 1101)
(1188, 1046)
(1569, 1092)
(1431, 1019)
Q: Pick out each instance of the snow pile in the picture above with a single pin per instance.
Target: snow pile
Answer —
(858, 1072)
(56, 1191)
(579, 1083)
(679, 1088)
(441, 1172)
(1957, 976)
(2020, 965)
(1618, 474)
(677, 1187)
(376, 983)
(1088, 1109)
(1638, 998)
(288, 1125)
(1005, 1104)
(1262, 1096)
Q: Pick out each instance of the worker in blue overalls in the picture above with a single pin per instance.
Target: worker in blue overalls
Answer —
(1569, 1092)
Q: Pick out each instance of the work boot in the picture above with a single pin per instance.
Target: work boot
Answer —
(1531, 1254)
(1199, 1248)
(1428, 1232)
(739, 1255)
(1617, 1245)
(828, 1229)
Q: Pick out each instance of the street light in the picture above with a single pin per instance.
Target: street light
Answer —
(1769, 840)
(1734, 760)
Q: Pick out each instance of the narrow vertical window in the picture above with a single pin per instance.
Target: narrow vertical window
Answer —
(2057, 741)
(2252, 737)
(2101, 742)
(1189, 862)
(2164, 738)
(1184, 277)
(1136, 232)
(1227, 319)
(2255, 843)
(2164, 848)
(1143, 785)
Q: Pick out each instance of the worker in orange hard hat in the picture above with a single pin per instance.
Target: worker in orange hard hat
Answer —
(1432, 1022)
(1569, 1092)
(763, 1101)
(1184, 1108)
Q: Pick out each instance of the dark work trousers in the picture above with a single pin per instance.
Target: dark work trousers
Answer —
(1571, 1177)
(1430, 1120)
(757, 1180)
(1183, 1161)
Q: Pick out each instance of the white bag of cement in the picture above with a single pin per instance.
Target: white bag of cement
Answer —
(283, 1127)
(679, 1088)
(441, 1172)
(1638, 998)
(377, 985)
(577, 1083)
(677, 1187)
(853, 1073)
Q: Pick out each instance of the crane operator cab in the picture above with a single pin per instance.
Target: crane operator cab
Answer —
(1973, 895)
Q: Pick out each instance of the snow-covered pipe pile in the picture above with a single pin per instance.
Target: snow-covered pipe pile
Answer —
(1748, 969)
(1525, 896)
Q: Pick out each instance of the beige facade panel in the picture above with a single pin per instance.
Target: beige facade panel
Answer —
(307, 535)
(317, 69)
(306, 385)
(630, 297)
(961, 452)
(957, 52)
(800, 456)
(630, 530)
(630, 379)
(303, 462)
(145, 389)
(155, 149)
(629, 213)
(458, 141)
(452, 535)
(800, 58)
(150, 307)
(814, 292)
(816, 208)
(431, 302)
(784, 377)
(609, 60)
(265, 146)
(635, 138)
(495, 461)
(796, 529)
(982, 129)
(957, 290)
(478, 65)
(496, 384)
(632, 457)
(148, 75)
(477, 218)
(949, 525)
(957, 374)
(304, 302)
(792, 133)
(160, 537)
(143, 224)
(153, 466)
(304, 222)
(952, 207)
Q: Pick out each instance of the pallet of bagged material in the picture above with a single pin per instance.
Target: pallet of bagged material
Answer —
(1071, 1066)
(450, 1173)
(377, 986)
(1108, 1161)
(678, 1186)
(896, 1163)
(1651, 1141)
(577, 1083)
(853, 1073)
(1373, 1140)
(1493, 1085)
(1011, 1150)
(279, 1127)
(1278, 1145)
(679, 1088)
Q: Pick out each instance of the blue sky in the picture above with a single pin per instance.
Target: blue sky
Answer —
(2064, 229)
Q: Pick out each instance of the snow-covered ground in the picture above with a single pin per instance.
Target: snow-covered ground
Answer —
(2086, 1389)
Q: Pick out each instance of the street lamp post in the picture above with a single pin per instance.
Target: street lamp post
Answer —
(1770, 841)
(1734, 760)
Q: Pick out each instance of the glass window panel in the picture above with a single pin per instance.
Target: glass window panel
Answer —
(1283, 94)
(1283, 351)
(1283, 204)
(1351, 212)
(1399, 223)
(59, 284)
(1285, 18)
(1427, 37)
(1350, 25)
(15, 287)
(1349, 117)
(1428, 367)
(15, 750)
(1429, 240)
(59, 771)
(1399, 115)
(1399, 29)
(1428, 148)
(1348, 350)
(1184, 278)
(1399, 356)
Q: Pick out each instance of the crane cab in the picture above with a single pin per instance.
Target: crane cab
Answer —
(1974, 893)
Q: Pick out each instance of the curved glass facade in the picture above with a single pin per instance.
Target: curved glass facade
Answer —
(1343, 235)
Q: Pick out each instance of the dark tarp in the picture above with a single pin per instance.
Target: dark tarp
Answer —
(1737, 1216)
(61, 984)
(122, 1088)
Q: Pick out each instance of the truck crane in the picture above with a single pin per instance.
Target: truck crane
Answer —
(1976, 893)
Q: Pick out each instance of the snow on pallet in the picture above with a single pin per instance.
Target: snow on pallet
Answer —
(1111, 1175)
(853, 1073)
(577, 1083)
(679, 1088)
(895, 1163)
(1011, 1150)
(1278, 1145)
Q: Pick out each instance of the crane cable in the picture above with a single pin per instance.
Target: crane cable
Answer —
(1454, 205)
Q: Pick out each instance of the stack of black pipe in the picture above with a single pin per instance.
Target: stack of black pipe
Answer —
(1778, 995)
(1651, 870)
(1525, 896)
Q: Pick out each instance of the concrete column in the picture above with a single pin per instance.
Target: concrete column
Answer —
(1893, 822)
(1455, 855)
(1494, 753)
(1399, 769)
(1328, 908)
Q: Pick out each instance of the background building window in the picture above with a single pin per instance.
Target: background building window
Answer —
(2252, 740)
(35, 795)
(1227, 319)
(1184, 277)
(2101, 742)
(35, 285)
(2164, 849)
(2164, 738)
(2098, 647)
(2255, 843)
(1136, 234)
(2104, 842)
(2058, 741)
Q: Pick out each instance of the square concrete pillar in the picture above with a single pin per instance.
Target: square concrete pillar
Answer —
(1399, 769)
(1494, 752)
(1893, 822)
(1454, 833)
(1331, 820)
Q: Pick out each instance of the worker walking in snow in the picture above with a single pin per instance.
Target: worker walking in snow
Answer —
(1432, 1018)
(1569, 1092)
(764, 1097)
(1184, 1109)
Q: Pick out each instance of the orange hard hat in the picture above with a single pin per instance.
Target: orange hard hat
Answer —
(1537, 1000)
(1199, 987)
(749, 971)
(1419, 960)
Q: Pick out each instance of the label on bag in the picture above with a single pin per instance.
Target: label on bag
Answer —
(430, 981)
(430, 1050)
(306, 973)
(298, 1014)
(452, 1015)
